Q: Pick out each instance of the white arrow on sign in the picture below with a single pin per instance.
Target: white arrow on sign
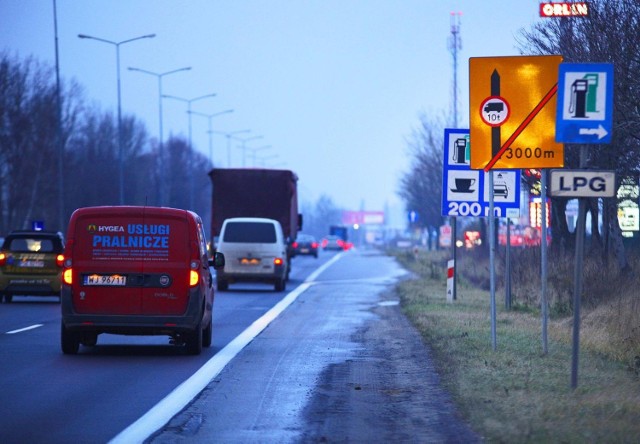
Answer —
(600, 131)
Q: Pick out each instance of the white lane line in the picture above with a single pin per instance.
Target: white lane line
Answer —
(181, 396)
(20, 330)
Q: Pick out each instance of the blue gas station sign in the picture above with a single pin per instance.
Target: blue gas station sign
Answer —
(465, 192)
(585, 103)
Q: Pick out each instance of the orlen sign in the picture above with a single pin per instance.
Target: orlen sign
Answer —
(564, 9)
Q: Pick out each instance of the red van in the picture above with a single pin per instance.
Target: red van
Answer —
(136, 271)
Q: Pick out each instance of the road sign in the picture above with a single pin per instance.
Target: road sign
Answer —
(465, 192)
(582, 183)
(525, 136)
(585, 103)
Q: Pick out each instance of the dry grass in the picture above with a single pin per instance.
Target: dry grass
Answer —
(515, 393)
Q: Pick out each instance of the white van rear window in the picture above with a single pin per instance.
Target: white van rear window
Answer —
(250, 232)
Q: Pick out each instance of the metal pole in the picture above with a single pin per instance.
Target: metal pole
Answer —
(577, 279)
(58, 139)
(543, 254)
(120, 147)
(492, 254)
(454, 250)
(160, 144)
(507, 285)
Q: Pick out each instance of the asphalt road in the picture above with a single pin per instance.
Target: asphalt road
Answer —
(340, 364)
(332, 359)
(48, 397)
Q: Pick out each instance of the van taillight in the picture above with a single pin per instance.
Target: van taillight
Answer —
(60, 260)
(3, 259)
(278, 261)
(66, 276)
(194, 278)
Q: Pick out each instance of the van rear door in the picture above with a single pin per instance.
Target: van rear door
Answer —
(131, 261)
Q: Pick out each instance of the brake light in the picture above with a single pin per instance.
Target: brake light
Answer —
(314, 245)
(278, 261)
(60, 260)
(66, 276)
(3, 258)
(194, 278)
(295, 245)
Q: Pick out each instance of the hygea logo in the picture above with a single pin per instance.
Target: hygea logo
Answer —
(92, 228)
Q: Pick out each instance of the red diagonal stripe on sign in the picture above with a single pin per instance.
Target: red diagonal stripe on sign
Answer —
(522, 126)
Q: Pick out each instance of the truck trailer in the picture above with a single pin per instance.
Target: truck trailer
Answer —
(256, 192)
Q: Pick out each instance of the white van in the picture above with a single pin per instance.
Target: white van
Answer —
(255, 250)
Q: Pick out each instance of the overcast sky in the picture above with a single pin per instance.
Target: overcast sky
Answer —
(333, 87)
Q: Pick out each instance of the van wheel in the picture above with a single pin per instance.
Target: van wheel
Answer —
(223, 285)
(194, 340)
(207, 335)
(69, 340)
(280, 285)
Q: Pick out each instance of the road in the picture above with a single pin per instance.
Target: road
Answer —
(281, 387)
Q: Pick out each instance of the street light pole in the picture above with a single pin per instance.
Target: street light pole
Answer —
(229, 135)
(210, 131)
(189, 102)
(244, 148)
(254, 150)
(159, 76)
(120, 146)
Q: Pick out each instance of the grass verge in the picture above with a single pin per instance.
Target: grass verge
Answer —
(516, 393)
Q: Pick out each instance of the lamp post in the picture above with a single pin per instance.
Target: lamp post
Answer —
(189, 102)
(244, 148)
(120, 147)
(255, 150)
(229, 135)
(210, 131)
(159, 76)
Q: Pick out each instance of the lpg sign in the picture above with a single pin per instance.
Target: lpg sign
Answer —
(582, 183)
(564, 9)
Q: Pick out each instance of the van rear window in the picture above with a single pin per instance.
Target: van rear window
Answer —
(250, 232)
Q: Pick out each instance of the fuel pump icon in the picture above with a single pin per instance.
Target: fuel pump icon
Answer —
(578, 102)
(460, 151)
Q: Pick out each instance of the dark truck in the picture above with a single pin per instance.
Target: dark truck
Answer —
(245, 192)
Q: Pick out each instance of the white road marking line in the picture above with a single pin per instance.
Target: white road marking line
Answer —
(20, 330)
(181, 396)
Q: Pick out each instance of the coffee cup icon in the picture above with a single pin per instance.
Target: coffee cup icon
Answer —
(463, 184)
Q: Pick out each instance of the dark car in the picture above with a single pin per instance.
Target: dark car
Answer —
(305, 244)
(333, 243)
(31, 264)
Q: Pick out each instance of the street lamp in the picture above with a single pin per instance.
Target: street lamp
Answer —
(120, 147)
(210, 131)
(254, 150)
(229, 135)
(189, 102)
(160, 75)
(244, 148)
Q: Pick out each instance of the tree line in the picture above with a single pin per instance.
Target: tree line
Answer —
(84, 148)
(609, 34)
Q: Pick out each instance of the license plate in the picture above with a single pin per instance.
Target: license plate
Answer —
(249, 261)
(109, 280)
(31, 264)
(304, 250)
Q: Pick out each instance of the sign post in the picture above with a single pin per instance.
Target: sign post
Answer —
(512, 102)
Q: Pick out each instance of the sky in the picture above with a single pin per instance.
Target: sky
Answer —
(331, 89)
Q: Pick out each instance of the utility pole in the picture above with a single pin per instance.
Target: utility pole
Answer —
(455, 44)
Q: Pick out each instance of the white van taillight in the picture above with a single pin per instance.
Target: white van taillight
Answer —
(278, 261)
(59, 260)
(66, 276)
(3, 259)
(194, 278)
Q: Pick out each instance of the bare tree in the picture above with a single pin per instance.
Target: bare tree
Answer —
(610, 34)
(421, 188)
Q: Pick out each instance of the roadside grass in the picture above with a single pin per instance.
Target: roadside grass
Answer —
(516, 393)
